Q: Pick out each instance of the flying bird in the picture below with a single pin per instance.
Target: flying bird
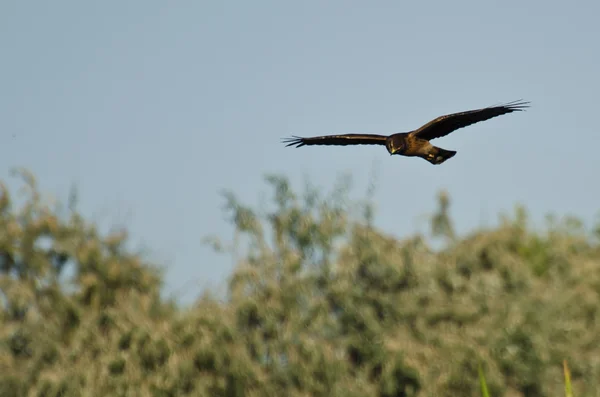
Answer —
(416, 143)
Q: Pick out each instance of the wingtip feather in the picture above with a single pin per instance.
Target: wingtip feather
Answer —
(293, 140)
(517, 105)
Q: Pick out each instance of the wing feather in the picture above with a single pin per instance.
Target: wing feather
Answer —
(338, 140)
(446, 124)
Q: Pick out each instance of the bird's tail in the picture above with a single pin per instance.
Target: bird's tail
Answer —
(438, 155)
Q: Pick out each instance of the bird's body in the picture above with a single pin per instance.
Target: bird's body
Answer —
(409, 145)
(416, 143)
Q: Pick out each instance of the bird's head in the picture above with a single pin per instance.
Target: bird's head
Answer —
(394, 147)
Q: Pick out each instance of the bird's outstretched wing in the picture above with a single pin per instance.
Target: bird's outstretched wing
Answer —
(444, 125)
(341, 140)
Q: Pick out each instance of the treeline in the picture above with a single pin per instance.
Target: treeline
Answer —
(322, 304)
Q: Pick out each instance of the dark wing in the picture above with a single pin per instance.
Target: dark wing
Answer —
(444, 125)
(340, 140)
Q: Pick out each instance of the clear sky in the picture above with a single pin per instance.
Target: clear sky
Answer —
(152, 107)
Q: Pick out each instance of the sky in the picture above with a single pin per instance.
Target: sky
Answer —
(152, 108)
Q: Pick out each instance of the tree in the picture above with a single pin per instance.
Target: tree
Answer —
(321, 303)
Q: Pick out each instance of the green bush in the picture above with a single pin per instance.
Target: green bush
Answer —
(321, 303)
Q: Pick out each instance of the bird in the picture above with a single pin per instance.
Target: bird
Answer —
(416, 143)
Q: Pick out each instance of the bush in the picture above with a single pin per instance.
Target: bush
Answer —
(322, 303)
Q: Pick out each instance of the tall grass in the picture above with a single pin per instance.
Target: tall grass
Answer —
(568, 387)
(484, 389)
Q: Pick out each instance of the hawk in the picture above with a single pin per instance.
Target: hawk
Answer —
(416, 143)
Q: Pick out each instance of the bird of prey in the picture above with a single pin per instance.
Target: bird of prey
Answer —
(416, 142)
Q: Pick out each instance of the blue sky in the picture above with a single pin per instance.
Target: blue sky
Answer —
(151, 108)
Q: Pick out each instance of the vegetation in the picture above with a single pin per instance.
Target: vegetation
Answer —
(322, 304)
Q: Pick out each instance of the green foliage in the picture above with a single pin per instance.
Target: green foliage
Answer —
(320, 304)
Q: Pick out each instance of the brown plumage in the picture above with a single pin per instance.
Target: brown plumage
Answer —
(416, 143)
